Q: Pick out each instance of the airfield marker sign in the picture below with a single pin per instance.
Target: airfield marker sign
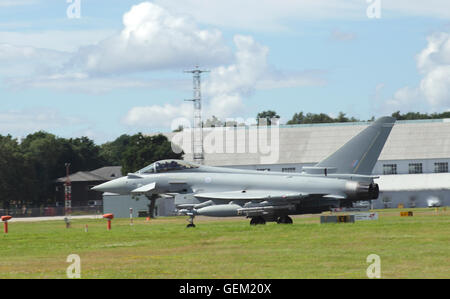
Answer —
(366, 216)
(131, 216)
(406, 214)
(109, 217)
(5, 222)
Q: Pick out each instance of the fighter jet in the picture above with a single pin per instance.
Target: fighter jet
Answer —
(339, 180)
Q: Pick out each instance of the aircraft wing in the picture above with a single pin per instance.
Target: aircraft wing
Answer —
(250, 195)
(144, 189)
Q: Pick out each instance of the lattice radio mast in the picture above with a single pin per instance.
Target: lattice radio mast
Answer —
(197, 132)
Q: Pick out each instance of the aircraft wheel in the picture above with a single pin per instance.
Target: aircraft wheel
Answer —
(284, 219)
(257, 220)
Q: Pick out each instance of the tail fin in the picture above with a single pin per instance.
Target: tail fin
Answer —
(360, 153)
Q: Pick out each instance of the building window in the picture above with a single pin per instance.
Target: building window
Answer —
(441, 167)
(415, 168)
(386, 202)
(389, 168)
(288, 169)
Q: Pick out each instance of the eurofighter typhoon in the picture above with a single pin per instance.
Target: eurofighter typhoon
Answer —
(339, 180)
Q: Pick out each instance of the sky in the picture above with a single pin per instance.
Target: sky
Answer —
(103, 68)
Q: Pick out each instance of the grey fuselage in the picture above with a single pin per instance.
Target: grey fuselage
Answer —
(195, 182)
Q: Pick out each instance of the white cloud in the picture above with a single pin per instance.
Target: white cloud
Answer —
(78, 82)
(21, 61)
(341, 36)
(264, 15)
(8, 3)
(153, 39)
(22, 122)
(10, 52)
(436, 87)
(433, 63)
(404, 99)
(156, 116)
(226, 88)
(275, 15)
(58, 40)
(430, 8)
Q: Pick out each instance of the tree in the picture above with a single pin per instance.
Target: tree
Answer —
(111, 152)
(265, 117)
(213, 122)
(45, 155)
(86, 152)
(144, 150)
(318, 118)
(297, 118)
(313, 118)
(417, 115)
(180, 128)
(42, 152)
(14, 181)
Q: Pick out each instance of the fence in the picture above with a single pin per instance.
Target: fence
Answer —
(51, 211)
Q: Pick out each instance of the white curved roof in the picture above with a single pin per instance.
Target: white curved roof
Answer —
(419, 139)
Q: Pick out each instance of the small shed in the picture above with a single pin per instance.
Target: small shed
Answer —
(82, 182)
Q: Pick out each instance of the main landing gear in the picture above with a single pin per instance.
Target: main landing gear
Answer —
(284, 219)
(257, 220)
(261, 220)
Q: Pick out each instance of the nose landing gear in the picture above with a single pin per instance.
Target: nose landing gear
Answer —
(191, 221)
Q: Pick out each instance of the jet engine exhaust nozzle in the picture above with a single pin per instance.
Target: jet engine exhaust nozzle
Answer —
(362, 191)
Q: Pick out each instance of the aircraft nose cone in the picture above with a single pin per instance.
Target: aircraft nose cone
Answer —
(101, 188)
(97, 188)
(114, 186)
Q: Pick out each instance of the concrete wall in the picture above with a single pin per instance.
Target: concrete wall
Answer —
(410, 199)
(120, 205)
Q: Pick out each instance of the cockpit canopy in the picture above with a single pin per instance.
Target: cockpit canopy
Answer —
(166, 166)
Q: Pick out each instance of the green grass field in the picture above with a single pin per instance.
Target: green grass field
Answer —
(409, 247)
